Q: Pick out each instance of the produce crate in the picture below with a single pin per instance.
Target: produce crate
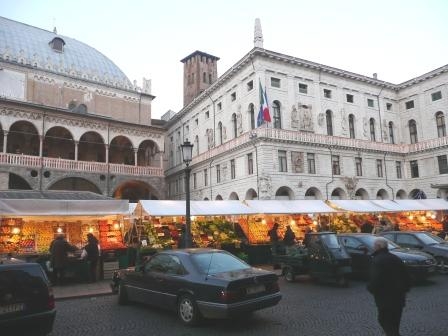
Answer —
(108, 269)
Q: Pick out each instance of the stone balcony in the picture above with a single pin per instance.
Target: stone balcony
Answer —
(30, 161)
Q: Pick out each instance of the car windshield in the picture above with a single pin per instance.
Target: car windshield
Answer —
(330, 240)
(217, 262)
(428, 238)
(370, 240)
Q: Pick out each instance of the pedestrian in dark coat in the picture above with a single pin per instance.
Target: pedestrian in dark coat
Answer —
(289, 238)
(59, 249)
(389, 283)
(93, 254)
(274, 238)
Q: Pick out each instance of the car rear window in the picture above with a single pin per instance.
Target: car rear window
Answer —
(217, 262)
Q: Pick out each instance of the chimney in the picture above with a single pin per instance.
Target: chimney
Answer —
(375, 75)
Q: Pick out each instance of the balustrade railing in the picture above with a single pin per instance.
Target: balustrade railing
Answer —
(71, 165)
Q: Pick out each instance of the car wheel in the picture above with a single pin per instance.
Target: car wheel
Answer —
(289, 274)
(188, 311)
(122, 295)
(442, 265)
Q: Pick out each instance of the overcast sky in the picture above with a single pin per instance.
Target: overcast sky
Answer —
(398, 39)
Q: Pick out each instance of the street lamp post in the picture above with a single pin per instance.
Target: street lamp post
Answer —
(187, 151)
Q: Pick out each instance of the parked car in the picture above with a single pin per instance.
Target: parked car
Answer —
(360, 247)
(26, 299)
(322, 257)
(198, 283)
(425, 241)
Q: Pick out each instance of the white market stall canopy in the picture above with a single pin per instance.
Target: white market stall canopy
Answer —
(57, 207)
(230, 207)
(390, 205)
(289, 206)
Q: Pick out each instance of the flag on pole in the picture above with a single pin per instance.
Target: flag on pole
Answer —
(263, 114)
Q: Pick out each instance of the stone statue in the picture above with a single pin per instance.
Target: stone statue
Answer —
(294, 117)
(146, 86)
(239, 120)
(209, 134)
(365, 124)
(307, 118)
(385, 131)
(320, 119)
(297, 162)
(224, 134)
(265, 186)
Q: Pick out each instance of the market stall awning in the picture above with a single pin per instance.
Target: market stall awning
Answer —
(434, 204)
(216, 208)
(160, 208)
(57, 207)
(356, 205)
(309, 206)
(289, 206)
(412, 205)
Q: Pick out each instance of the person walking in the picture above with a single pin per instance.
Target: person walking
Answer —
(274, 238)
(93, 254)
(59, 249)
(389, 282)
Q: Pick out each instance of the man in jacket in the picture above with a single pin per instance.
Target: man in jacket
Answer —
(59, 249)
(389, 283)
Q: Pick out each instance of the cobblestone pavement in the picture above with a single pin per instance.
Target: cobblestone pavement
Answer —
(306, 309)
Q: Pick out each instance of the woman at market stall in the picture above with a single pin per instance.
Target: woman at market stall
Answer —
(59, 249)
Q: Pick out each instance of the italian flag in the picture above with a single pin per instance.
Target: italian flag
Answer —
(263, 114)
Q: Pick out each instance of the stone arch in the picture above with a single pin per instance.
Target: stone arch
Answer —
(23, 138)
(206, 199)
(75, 184)
(18, 182)
(401, 194)
(59, 143)
(121, 150)
(417, 194)
(313, 194)
(382, 194)
(135, 190)
(251, 194)
(233, 196)
(91, 147)
(148, 154)
(338, 193)
(361, 194)
(284, 193)
(218, 198)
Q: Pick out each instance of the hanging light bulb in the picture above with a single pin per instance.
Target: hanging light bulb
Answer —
(263, 221)
(411, 217)
(59, 230)
(293, 222)
(433, 216)
(193, 218)
(15, 230)
(90, 229)
(116, 226)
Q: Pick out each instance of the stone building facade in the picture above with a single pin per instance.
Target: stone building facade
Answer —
(71, 119)
(334, 134)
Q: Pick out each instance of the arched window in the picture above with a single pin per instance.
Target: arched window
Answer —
(209, 78)
(196, 144)
(234, 125)
(391, 132)
(252, 116)
(413, 131)
(220, 132)
(351, 125)
(204, 77)
(372, 129)
(440, 122)
(329, 120)
(277, 114)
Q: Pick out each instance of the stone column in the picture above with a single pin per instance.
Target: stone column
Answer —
(76, 150)
(5, 139)
(135, 156)
(107, 153)
(41, 145)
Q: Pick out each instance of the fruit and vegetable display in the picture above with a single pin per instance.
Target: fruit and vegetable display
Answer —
(214, 232)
